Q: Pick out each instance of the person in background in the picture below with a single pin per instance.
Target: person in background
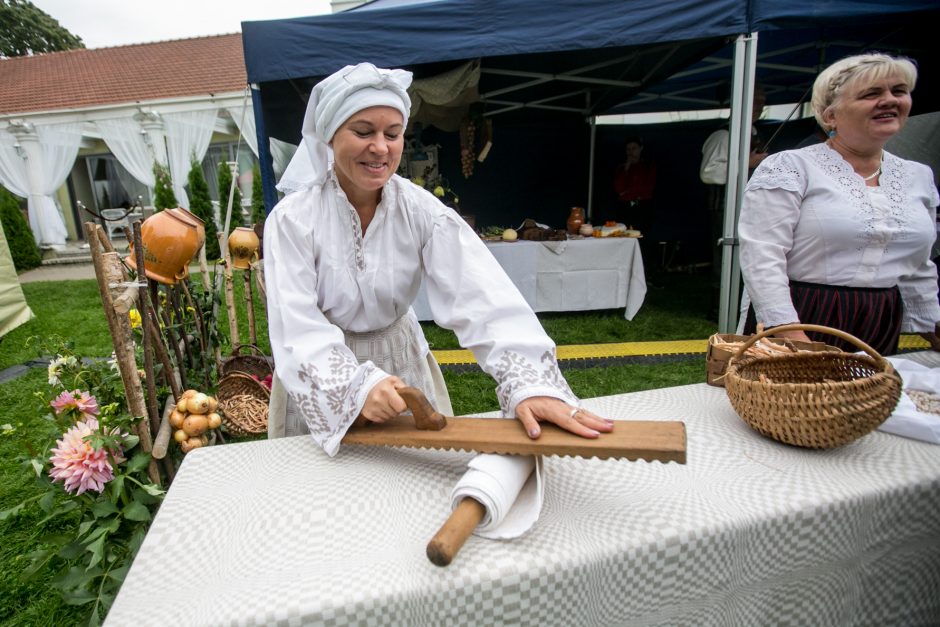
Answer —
(713, 171)
(839, 233)
(634, 180)
(345, 255)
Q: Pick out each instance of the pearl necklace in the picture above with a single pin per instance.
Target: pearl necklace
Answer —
(872, 175)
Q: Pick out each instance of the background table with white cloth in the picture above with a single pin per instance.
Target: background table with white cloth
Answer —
(748, 532)
(572, 275)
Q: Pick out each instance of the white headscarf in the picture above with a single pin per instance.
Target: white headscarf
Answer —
(333, 101)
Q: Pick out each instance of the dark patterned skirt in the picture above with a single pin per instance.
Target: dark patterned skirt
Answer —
(873, 315)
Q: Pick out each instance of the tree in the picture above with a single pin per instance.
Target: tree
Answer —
(225, 183)
(257, 196)
(25, 29)
(200, 203)
(20, 238)
(163, 196)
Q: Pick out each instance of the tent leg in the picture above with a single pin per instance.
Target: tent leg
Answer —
(590, 183)
(742, 97)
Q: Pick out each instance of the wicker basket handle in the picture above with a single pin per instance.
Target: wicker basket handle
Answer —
(818, 328)
(238, 349)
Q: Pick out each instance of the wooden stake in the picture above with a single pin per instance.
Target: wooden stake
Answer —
(148, 352)
(108, 270)
(249, 300)
(234, 337)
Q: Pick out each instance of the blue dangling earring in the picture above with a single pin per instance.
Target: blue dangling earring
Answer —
(831, 133)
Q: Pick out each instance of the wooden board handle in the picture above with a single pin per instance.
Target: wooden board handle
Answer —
(426, 417)
(445, 544)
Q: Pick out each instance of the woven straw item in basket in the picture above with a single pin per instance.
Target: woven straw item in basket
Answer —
(243, 403)
(814, 400)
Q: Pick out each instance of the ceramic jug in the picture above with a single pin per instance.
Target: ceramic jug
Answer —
(575, 220)
(243, 246)
(169, 241)
(192, 217)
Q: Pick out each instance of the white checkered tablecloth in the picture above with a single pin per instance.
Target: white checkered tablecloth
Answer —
(748, 532)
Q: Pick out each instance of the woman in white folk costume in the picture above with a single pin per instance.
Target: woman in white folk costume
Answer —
(344, 258)
(840, 233)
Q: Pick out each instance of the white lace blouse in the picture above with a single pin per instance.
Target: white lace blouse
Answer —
(324, 277)
(807, 216)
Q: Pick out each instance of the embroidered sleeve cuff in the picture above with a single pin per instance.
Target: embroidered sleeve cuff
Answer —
(372, 376)
(508, 404)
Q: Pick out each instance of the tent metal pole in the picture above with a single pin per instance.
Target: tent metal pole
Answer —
(265, 162)
(590, 195)
(742, 97)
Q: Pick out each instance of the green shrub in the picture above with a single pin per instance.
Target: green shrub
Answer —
(201, 205)
(225, 182)
(20, 238)
(163, 196)
(257, 196)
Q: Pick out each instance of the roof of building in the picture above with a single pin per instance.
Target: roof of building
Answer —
(78, 79)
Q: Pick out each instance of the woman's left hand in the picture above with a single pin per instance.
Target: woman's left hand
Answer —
(536, 409)
(933, 339)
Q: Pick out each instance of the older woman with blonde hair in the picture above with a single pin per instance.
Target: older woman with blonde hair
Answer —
(840, 233)
(345, 253)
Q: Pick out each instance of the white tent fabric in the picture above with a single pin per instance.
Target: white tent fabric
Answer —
(187, 138)
(124, 139)
(13, 308)
(245, 121)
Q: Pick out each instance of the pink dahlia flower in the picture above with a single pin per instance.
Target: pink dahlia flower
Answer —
(83, 402)
(78, 464)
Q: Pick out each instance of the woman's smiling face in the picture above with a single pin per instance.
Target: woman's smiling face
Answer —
(871, 110)
(367, 149)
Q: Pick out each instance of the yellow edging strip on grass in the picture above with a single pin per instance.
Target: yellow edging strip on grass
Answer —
(634, 349)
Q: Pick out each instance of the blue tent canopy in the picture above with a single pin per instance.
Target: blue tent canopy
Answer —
(562, 63)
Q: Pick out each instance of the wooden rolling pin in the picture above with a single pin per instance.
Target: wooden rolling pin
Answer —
(454, 532)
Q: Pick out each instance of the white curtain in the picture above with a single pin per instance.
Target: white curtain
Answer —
(187, 138)
(127, 143)
(58, 145)
(13, 173)
(245, 121)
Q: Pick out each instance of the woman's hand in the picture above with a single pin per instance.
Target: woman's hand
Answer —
(536, 409)
(383, 401)
(794, 335)
(933, 338)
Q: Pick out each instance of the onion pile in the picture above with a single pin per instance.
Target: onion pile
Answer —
(193, 417)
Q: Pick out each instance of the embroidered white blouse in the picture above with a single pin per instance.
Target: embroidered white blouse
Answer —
(807, 216)
(324, 277)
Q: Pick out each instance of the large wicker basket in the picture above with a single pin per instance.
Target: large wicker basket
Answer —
(814, 400)
(243, 402)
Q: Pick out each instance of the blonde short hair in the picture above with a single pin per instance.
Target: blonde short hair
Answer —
(829, 85)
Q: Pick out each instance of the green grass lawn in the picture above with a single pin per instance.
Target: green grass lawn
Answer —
(73, 311)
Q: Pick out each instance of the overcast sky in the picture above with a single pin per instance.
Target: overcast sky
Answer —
(117, 22)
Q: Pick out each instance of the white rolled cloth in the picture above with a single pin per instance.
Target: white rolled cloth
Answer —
(333, 101)
(509, 489)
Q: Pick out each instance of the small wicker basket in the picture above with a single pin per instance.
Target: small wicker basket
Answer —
(243, 402)
(256, 364)
(814, 400)
(718, 354)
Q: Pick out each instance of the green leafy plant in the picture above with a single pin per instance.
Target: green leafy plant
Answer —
(93, 488)
(200, 203)
(19, 236)
(163, 196)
